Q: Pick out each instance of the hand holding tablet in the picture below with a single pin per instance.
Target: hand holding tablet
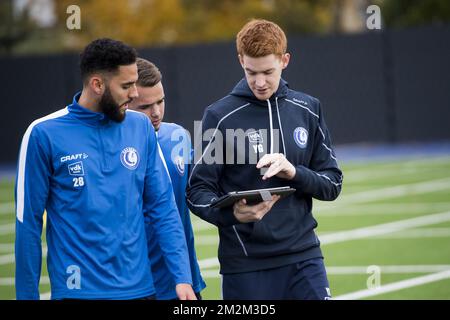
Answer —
(252, 197)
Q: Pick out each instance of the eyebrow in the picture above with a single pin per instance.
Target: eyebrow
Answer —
(145, 106)
(250, 70)
(128, 83)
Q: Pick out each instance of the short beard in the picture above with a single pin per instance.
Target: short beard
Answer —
(110, 107)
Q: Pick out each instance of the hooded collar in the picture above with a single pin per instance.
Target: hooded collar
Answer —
(243, 90)
(85, 115)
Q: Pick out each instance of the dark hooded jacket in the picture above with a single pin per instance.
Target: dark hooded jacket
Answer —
(236, 132)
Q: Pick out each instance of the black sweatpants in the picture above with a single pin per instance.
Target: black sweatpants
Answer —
(305, 280)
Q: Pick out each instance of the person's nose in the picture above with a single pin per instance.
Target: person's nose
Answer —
(156, 112)
(134, 92)
(260, 81)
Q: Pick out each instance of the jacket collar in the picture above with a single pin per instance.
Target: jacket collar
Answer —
(85, 115)
(243, 90)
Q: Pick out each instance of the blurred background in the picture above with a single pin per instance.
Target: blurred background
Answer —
(388, 84)
(380, 68)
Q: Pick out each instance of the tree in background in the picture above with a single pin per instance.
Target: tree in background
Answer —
(163, 22)
(144, 23)
(408, 13)
(16, 27)
(137, 22)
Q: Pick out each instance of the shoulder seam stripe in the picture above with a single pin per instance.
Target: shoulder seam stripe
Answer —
(23, 158)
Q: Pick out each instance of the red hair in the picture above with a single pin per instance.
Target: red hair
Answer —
(259, 38)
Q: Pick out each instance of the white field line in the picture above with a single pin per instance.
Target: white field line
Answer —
(10, 281)
(208, 263)
(385, 209)
(387, 193)
(6, 247)
(406, 233)
(367, 232)
(391, 269)
(416, 164)
(417, 233)
(10, 258)
(45, 296)
(413, 282)
(199, 225)
(210, 273)
(7, 208)
(7, 228)
(384, 228)
(365, 175)
(352, 176)
(7, 258)
(206, 240)
(350, 270)
(209, 240)
(364, 196)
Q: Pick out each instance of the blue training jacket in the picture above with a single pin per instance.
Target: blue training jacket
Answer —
(100, 182)
(176, 150)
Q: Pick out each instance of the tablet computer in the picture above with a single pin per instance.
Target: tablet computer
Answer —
(252, 196)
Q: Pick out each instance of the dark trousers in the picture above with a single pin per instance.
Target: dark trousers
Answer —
(305, 280)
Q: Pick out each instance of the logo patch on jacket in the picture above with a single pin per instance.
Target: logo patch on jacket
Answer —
(129, 158)
(255, 137)
(76, 169)
(179, 164)
(301, 137)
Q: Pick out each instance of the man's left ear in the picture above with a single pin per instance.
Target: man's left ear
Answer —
(285, 60)
(241, 60)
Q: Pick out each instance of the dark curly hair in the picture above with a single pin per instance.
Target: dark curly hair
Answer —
(105, 55)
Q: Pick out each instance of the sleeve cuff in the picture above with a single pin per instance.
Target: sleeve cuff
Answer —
(299, 178)
(184, 280)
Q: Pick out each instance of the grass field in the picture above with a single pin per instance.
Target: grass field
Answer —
(386, 237)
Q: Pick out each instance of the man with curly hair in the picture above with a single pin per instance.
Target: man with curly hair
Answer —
(94, 167)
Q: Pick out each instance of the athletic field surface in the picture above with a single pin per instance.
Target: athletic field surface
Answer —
(386, 237)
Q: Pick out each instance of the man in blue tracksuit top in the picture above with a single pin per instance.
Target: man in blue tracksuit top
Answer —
(278, 138)
(176, 149)
(94, 167)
